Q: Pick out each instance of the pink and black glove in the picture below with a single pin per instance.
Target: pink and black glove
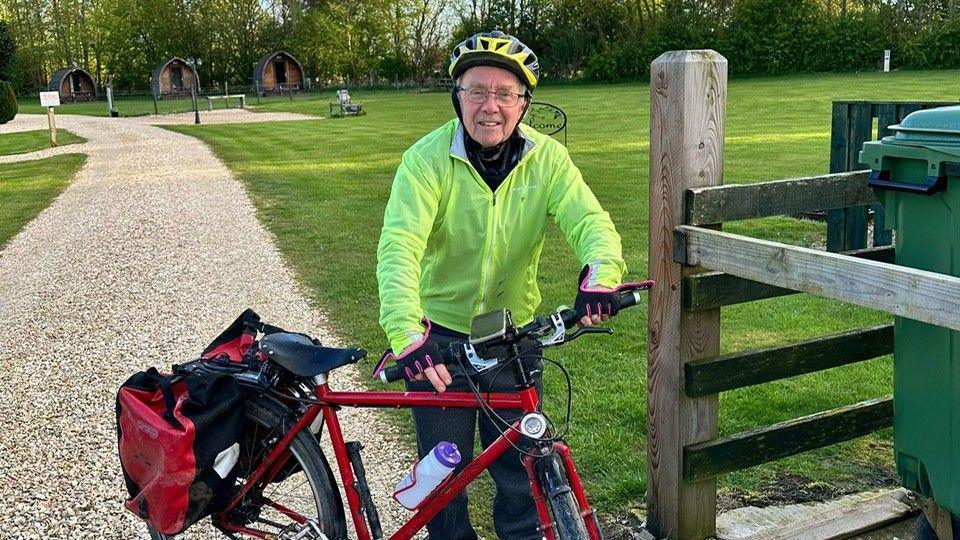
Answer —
(593, 300)
(417, 357)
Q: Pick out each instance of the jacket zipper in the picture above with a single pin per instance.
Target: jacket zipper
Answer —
(492, 227)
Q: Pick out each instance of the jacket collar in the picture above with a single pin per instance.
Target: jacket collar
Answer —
(458, 148)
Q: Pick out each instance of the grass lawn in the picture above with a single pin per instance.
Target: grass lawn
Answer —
(29, 141)
(321, 187)
(27, 188)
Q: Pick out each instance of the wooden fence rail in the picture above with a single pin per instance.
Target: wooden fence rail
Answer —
(712, 375)
(709, 290)
(713, 458)
(916, 294)
(718, 204)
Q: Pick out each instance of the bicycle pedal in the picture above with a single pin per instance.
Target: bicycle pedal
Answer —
(304, 531)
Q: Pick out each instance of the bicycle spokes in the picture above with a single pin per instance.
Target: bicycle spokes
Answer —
(282, 494)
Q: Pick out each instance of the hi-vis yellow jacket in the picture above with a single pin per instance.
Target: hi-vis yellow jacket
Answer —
(450, 248)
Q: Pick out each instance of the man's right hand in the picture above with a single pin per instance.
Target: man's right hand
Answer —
(421, 361)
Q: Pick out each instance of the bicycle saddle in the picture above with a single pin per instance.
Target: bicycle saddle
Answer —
(301, 356)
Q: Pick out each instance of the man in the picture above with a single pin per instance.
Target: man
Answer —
(462, 235)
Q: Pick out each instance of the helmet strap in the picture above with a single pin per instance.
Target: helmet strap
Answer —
(527, 98)
(454, 95)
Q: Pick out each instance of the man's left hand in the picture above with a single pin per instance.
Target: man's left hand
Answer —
(595, 303)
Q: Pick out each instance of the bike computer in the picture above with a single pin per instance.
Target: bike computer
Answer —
(489, 326)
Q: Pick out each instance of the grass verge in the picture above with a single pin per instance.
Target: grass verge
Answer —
(29, 141)
(27, 188)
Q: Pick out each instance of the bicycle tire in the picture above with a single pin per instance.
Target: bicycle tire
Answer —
(327, 508)
(568, 523)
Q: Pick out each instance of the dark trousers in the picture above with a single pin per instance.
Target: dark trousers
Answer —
(514, 513)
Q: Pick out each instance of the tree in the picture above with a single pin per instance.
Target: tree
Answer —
(7, 51)
(427, 33)
(8, 102)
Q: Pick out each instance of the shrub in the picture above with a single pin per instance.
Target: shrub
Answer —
(937, 47)
(771, 37)
(8, 102)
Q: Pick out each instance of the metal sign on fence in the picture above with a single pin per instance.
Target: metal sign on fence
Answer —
(546, 118)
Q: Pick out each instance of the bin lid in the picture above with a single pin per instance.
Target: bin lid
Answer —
(936, 128)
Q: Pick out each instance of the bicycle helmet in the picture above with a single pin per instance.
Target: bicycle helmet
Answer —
(499, 50)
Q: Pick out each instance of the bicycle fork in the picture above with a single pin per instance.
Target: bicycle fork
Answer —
(555, 481)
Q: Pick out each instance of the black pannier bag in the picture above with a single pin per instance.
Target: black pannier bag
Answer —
(179, 438)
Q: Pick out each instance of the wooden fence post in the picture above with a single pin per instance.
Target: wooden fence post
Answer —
(687, 107)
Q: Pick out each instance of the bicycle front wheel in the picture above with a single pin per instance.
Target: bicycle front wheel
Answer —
(568, 523)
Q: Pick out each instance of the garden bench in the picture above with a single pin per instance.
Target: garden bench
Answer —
(226, 99)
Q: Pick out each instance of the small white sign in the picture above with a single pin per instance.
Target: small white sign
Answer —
(886, 60)
(49, 99)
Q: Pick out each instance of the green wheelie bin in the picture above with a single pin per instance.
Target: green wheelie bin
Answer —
(916, 176)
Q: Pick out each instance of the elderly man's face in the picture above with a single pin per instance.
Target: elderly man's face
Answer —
(490, 122)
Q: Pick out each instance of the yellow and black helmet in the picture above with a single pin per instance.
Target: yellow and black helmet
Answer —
(499, 50)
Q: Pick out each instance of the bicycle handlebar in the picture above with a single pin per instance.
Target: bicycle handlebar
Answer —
(538, 326)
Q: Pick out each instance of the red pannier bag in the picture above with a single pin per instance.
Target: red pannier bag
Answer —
(179, 438)
(234, 342)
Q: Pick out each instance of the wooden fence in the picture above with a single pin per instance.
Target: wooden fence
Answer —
(699, 268)
(852, 125)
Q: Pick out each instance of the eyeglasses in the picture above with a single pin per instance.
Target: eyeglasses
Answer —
(502, 97)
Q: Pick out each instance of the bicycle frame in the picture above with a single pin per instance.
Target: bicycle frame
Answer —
(526, 400)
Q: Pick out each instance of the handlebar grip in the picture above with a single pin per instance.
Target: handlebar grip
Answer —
(393, 373)
(630, 298)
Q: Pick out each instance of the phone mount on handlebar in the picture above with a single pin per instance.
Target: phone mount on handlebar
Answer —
(489, 326)
(484, 329)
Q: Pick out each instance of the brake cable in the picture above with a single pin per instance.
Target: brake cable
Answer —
(497, 420)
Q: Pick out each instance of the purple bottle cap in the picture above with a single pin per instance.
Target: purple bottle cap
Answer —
(447, 454)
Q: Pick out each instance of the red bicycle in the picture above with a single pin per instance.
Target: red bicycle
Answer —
(288, 489)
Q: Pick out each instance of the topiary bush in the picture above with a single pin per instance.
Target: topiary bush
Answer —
(8, 102)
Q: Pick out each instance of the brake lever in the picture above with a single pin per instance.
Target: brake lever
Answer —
(480, 364)
(558, 332)
(583, 330)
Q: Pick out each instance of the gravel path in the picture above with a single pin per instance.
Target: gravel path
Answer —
(221, 116)
(148, 254)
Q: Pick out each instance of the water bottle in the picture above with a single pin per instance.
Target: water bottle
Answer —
(426, 475)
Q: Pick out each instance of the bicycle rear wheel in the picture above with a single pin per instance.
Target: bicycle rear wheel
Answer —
(307, 486)
(568, 523)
